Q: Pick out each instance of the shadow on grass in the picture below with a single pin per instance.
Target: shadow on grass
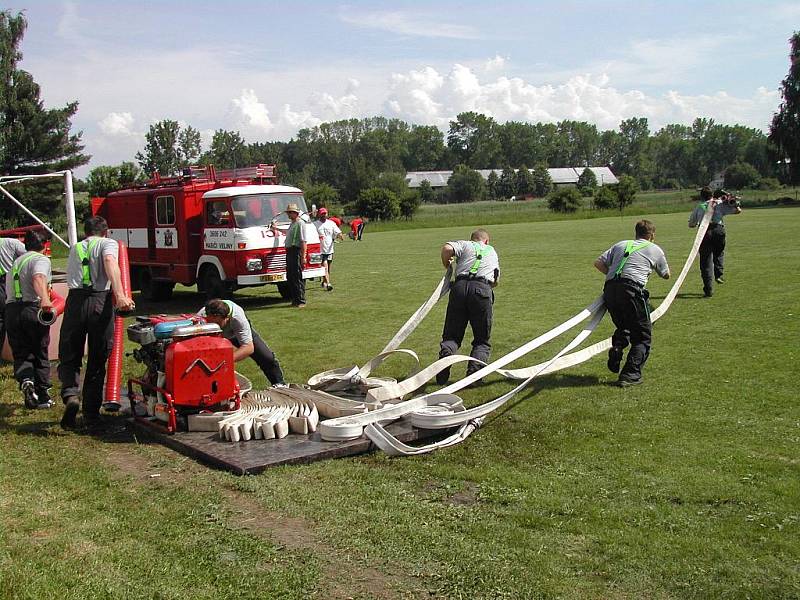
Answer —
(682, 296)
(190, 302)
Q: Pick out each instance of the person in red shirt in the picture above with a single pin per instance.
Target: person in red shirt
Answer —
(336, 220)
(357, 228)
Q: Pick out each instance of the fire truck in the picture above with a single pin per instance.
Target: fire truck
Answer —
(210, 228)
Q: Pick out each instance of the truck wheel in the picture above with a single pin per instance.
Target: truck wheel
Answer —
(283, 290)
(152, 290)
(213, 284)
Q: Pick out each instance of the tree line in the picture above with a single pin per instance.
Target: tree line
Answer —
(361, 162)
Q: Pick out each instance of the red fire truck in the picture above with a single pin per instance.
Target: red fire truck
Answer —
(207, 227)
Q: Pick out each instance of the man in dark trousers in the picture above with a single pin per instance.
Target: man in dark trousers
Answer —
(296, 256)
(94, 283)
(237, 329)
(627, 266)
(28, 291)
(477, 269)
(10, 250)
(712, 248)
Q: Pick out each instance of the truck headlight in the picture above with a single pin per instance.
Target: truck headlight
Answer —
(315, 258)
(254, 264)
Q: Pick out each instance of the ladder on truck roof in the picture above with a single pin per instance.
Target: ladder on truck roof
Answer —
(257, 174)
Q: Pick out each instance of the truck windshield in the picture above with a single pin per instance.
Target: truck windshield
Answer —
(258, 210)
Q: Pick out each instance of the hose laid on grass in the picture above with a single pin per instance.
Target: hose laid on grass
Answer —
(442, 409)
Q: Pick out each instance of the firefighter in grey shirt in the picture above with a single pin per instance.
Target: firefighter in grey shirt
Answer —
(237, 329)
(477, 269)
(92, 277)
(27, 291)
(10, 249)
(627, 266)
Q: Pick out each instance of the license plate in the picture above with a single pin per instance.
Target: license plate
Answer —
(273, 277)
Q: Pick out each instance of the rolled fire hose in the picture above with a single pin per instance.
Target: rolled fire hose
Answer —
(426, 412)
(114, 372)
(49, 317)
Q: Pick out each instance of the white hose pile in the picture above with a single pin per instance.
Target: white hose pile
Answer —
(261, 417)
(443, 409)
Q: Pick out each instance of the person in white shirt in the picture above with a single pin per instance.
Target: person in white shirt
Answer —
(329, 233)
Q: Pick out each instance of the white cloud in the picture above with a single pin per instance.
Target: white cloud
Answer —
(426, 96)
(117, 124)
(250, 113)
(71, 25)
(414, 24)
(496, 63)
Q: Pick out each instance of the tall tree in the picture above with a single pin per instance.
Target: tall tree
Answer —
(784, 132)
(161, 149)
(542, 182)
(523, 182)
(507, 185)
(228, 150)
(466, 185)
(474, 139)
(188, 146)
(33, 139)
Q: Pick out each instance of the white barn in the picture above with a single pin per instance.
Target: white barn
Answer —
(560, 176)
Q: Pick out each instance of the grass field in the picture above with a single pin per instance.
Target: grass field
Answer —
(684, 487)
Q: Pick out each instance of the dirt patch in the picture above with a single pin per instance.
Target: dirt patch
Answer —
(341, 579)
(466, 497)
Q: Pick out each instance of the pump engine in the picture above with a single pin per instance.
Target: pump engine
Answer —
(189, 369)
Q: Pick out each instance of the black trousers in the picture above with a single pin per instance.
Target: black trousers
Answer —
(265, 358)
(712, 256)
(627, 304)
(29, 341)
(2, 311)
(360, 231)
(294, 275)
(88, 315)
(470, 302)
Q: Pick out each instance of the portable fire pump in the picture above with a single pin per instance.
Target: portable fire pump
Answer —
(190, 369)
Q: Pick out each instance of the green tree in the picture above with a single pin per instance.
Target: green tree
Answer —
(566, 200)
(425, 149)
(587, 182)
(189, 149)
(161, 151)
(321, 194)
(426, 193)
(492, 186)
(741, 175)
(104, 179)
(626, 191)
(466, 185)
(228, 150)
(33, 139)
(605, 197)
(507, 185)
(474, 140)
(395, 182)
(784, 132)
(542, 182)
(409, 203)
(378, 203)
(523, 181)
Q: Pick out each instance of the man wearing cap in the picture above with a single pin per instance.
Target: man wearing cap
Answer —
(627, 266)
(477, 269)
(10, 250)
(328, 233)
(94, 283)
(295, 256)
(236, 328)
(27, 292)
(712, 248)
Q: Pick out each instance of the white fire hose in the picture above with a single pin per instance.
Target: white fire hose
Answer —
(443, 409)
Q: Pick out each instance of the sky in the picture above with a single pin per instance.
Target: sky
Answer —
(268, 69)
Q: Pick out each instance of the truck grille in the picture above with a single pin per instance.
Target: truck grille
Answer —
(275, 262)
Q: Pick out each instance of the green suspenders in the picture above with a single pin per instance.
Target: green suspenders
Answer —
(83, 255)
(480, 250)
(2, 270)
(15, 274)
(630, 247)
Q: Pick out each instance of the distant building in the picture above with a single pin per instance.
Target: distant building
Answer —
(560, 176)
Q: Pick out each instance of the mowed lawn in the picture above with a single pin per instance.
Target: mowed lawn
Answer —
(684, 487)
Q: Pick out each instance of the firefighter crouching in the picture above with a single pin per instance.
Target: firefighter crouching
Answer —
(27, 292)
(94, 283)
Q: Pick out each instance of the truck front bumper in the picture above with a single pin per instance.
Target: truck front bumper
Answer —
(243, 280)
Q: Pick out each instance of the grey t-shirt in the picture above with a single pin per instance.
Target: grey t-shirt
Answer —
(466, 255)
(102, 248)
(238, 328)
(639, 263)
(10, 249)
(36, 264)
(720, 210)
